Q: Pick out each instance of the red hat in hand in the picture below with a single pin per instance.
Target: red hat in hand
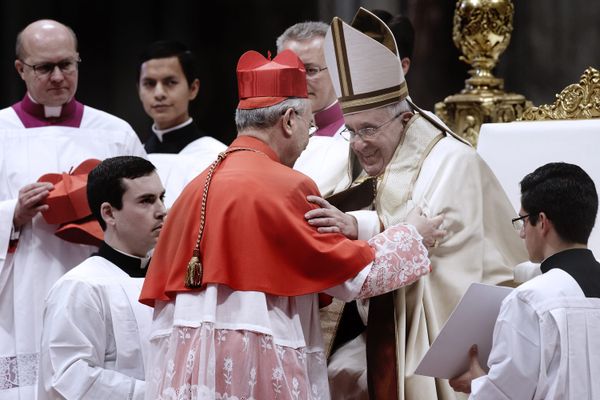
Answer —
(69, 207)
(68, 200)
(83, 231)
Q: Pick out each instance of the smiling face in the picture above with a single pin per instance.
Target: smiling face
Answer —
(375, 152)
(165, 93)
(320, 88)
(48, 42)
(136, 226)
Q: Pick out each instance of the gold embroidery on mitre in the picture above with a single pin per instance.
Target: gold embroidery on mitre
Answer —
(374, 99)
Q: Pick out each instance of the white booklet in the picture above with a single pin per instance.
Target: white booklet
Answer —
(471, 322)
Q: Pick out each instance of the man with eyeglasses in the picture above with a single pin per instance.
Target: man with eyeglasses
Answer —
(403, 158)
(325, 159)
(48, 131)
(547, 333)
(306, 40)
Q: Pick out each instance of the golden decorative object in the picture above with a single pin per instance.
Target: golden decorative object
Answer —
(577, 101)
(481, 31)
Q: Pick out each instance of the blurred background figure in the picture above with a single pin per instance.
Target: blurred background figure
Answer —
(167, 83)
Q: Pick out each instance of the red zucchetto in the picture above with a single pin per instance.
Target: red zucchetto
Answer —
(263, 82)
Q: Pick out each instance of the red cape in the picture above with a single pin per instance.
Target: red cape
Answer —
(255, 237)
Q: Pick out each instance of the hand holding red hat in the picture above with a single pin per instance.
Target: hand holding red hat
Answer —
(67, 205)
(30, 202)
(68, 201)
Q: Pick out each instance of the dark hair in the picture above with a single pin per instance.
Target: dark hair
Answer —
(382, 14)
(105, 181)
(404, 33)
(170, 48)
(568, 197)
(401, 28)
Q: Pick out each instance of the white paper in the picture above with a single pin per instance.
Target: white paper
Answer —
(471, 322)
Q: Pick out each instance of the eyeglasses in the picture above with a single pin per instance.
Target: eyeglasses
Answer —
(45, 69)
(312, 128)
(519, 222)
(313, 70)
(365, 133)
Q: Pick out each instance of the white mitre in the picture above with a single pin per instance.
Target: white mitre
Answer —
(363, 62)
(365, 67)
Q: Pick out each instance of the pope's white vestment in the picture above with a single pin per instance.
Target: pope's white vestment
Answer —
(440, 174)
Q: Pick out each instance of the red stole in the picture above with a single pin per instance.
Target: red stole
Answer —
(255, 237)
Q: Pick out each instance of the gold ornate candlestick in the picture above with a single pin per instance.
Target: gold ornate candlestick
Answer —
(481, 31)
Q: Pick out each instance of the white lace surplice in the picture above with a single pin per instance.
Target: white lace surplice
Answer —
(224, 344)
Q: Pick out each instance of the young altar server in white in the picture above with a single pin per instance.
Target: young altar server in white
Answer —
(95, 331)
(547, 334)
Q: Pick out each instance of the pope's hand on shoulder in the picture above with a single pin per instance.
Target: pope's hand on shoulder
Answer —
(329, 219)
(30, 201)
(429, 228)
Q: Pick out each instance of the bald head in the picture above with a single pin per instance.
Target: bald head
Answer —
(47, 60)
(40, 33)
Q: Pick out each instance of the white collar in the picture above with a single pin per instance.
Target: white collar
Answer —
(143, 260)
(49, 111)
(159, 133)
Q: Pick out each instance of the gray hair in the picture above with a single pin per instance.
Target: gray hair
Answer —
(267, 117)
(19, 49)
(398, 108)
(302, 31)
